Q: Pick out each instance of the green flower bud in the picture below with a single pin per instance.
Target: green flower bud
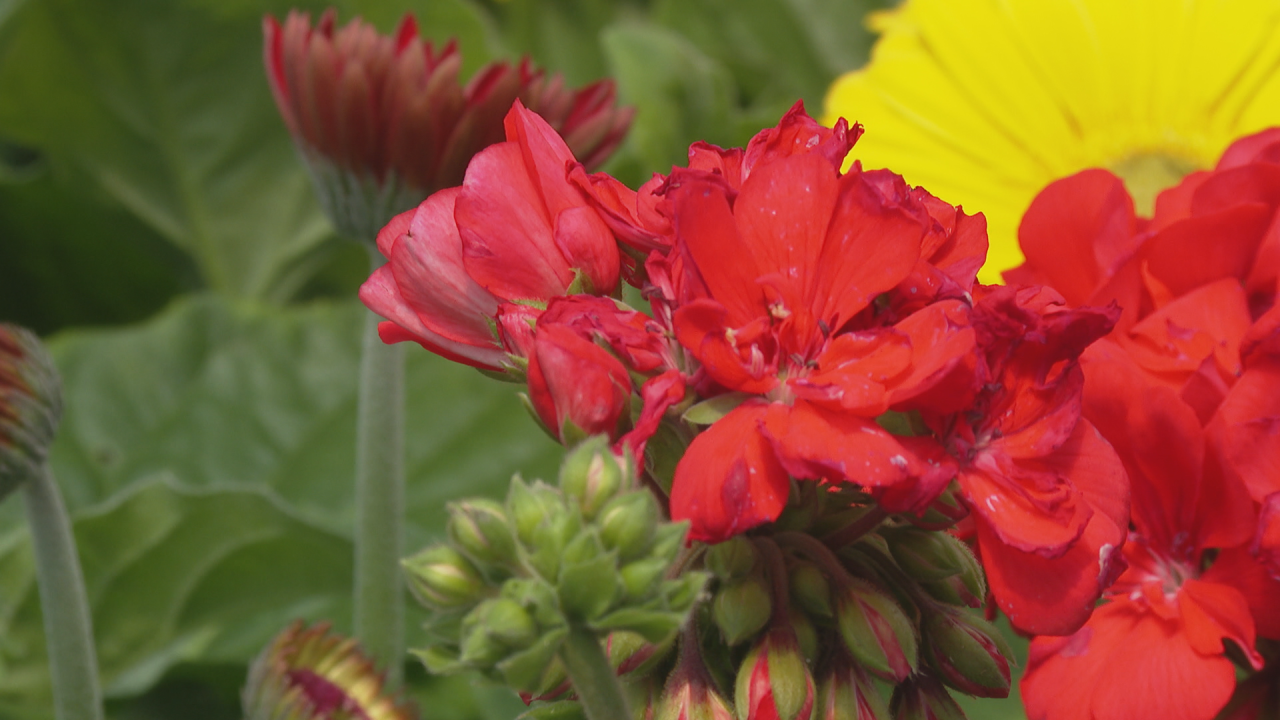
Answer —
(640, 577)
(313, 674)
(627, 524)
(968, 652)
(731, 559)
(810, 588)
(481, 529)
(806, 635)
(741, 608)
(30, 406)
(925, 555)
(549, 541)
(630, 653)
(923, 698)
(845, 692)
(774, 674)
(877, 632)
(689, 696)
(442, 578)
(529, 506)
(592, 475)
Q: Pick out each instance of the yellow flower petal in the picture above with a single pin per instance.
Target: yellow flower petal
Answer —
(984, 102)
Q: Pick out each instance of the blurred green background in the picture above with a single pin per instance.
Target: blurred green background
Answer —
(157, 228)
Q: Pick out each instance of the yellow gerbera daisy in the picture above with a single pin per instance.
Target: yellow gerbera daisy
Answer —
(984, 102)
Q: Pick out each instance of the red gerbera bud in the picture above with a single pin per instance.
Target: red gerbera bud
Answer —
(313, 674)
(383, 121)
(30, 405)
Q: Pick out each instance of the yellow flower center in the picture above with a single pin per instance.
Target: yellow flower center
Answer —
(1145, 174)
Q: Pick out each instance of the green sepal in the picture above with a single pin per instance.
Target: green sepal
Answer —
(653, 625)
(440, 660)
(527, 670)
(588, 589)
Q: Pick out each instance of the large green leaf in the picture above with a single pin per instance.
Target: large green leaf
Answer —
(779, 51)
(163, 104)
(680, 94)
(207, 457)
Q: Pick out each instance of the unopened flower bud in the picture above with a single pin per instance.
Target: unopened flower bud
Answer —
(845, 692)
(442, 578)
(692, 698)
(925, 555)
(592, 475)
(627, 524)
(640, 577)
(877, 632)
(806, 635)
(494, 629)
(742, 608)
(631, 653)
(529, 506)
(774, 682)
(731, 559)
(313, 674)
(924, 698)
(809, 587)
(968, 652)
(481, 528)
(30, 405)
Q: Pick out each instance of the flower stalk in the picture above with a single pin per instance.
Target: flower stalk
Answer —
(593, 678)
(379, 593)
(67, 626)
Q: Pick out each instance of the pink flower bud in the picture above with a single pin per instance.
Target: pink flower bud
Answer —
(968, 652)
(774, 682)
(877, 632)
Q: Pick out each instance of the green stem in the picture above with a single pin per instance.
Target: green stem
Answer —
(593, 677)
(67, 626)
(379, 593)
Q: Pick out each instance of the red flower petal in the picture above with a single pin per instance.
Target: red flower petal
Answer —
(1212, 611)
(1239, 569)
(729, 479)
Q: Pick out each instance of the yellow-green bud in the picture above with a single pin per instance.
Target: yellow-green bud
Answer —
(810, 588)
(592, 475)
(627, 524)
(529, 506)
(731, 559)
(481, 529)
(442, 578)
(774, 676)
(741, 608)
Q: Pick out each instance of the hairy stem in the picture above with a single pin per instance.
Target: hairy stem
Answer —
(593, 678)
(379, 593)
(67, 626)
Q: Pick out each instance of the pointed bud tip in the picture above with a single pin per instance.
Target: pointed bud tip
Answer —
(30, 405)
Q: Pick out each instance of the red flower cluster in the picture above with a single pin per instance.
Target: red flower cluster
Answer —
(1187, 390)
(801, 309)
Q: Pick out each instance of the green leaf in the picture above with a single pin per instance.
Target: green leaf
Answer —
(56, 272)
(709, 411)
(779, 51)
(208, 459)
(166, 108)
(681, 96)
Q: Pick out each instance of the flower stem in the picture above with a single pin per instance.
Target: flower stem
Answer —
(593, 677)
(67, 627)
(379, 593)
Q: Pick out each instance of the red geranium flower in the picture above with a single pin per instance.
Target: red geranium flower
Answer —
(1048, 495)
(1156, 649)
(773, 283)
(515, 232)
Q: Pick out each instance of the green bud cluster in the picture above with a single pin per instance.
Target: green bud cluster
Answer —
(862, 597)
(591, 552)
